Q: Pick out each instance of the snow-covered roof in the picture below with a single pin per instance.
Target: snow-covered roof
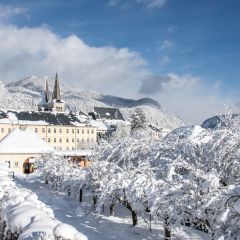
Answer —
(23, 141)
(107, 113)
(75, 153)
(42, 118)
(99, 124)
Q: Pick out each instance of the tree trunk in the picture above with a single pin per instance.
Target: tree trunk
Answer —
(134, 218)
(80, 195)
(112, 210)
(167, 230)
(46, 181)
(94, 201)
(134, 213)
(150, 222)
(103, 208)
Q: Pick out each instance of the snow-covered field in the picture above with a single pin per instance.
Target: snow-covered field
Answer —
(98, 227)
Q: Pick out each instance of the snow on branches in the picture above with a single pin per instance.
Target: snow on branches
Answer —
(189, 177)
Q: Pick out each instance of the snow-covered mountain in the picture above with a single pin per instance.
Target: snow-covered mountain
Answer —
(27, 93)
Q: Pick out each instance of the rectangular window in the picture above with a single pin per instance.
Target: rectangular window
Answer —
(43, 139)
(49, 140)
(60, 130)
(73, 140)
(77, 130)
(72, 148)
(67, 148)
(43, 130)
(67, 130)
(2, 130)
(60, 140)
(9, 130)
(54, 130)
(36, 130)
(88, 140)
(49, 130)
(60, 148)
(55, 140)
(72, 130)
(82, 139)
(67, 140)
(87, 131)
(78, 140)
(82, 131)
(92, 131)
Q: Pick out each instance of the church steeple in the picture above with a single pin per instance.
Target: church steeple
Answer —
(47, 98)
(56, 90)
(55, 104)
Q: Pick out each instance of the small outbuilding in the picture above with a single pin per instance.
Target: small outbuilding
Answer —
(20, 148)
(80, 157)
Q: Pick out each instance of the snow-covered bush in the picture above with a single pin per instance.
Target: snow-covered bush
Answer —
(63, 175)
(24, 217)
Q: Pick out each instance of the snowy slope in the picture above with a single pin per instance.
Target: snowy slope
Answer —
(192, 133)
(26, 93)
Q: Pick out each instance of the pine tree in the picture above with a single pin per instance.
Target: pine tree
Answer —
(138, 120)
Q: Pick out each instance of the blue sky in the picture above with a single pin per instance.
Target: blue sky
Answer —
(191, 42)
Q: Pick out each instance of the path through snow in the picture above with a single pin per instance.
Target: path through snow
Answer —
(95, 227)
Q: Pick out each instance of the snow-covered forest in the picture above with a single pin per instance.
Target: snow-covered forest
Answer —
(188, 178)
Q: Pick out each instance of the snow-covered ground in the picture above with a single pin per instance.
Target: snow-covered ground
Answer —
(23, 216)
(94, 226)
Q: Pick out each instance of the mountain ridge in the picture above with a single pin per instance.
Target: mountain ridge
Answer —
(28, 92)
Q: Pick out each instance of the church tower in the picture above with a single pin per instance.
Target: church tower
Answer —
(43, 105)
(56, 104)
(56, 89)
(47, 98)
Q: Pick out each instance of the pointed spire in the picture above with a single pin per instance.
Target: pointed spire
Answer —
(47, 98)
(56, 89)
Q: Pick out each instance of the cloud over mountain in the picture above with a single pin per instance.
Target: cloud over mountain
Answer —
(38, 50)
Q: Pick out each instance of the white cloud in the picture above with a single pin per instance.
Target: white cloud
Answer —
(166, 44)
(190, 97)
(180, 82)
(148, 3)
(7, 12)
(154, 84)
(27, 51)
(165, 59)
(196, 104)
(155, 3)
(113, 2)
